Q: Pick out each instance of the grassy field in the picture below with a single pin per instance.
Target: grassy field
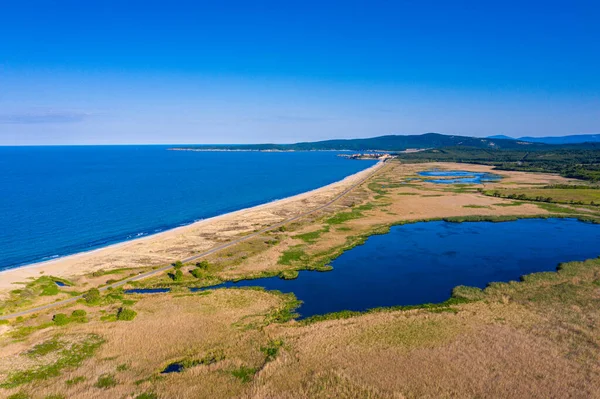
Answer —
(535, 338)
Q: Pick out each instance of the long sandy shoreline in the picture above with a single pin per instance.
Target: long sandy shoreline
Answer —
(179, 242)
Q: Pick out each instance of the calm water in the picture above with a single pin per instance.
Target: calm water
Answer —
(422, 262)
(57, 201)
(462, 177)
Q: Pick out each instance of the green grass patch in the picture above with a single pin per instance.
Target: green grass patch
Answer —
(287, 311)
(562, 194)
(512, 203)
(69, 357)
(289, 274)
(106, 381)
(77, 316)
(126, 314)
(271, 350)
(355, 213)
(29, 293)
(293, 255)
(46, 347)
(556, 208)
(19, 395)
(312, 236)
(243, 373)
(75, 380)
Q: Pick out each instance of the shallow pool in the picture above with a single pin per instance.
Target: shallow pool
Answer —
(422, 262)
(459, 176)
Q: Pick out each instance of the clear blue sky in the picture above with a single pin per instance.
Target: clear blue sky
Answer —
(82, 72)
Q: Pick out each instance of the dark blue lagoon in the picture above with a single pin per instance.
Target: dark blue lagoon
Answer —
(56, 201)
(459, 176)
(422, 262)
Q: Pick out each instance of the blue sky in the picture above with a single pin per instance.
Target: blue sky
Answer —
(78, 72)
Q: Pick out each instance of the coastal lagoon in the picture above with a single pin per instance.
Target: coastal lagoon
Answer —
(458, 177)
(422, 262)
(58, 201)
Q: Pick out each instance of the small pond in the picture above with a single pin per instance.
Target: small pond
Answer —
(459, 177)
(422, 262)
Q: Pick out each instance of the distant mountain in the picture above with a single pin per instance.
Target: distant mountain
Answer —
(382, 143)
(501, 137)
(572, 139)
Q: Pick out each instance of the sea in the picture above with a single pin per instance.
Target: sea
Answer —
(61, 200)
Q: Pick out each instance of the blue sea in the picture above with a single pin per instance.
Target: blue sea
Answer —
(56, 201)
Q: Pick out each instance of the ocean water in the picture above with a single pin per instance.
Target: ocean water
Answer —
(56, 201)
(422, 262)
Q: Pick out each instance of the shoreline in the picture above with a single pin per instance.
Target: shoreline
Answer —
(21, 273)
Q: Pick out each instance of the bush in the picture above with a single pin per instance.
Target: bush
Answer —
(203, 265)
(178, 265)
(92, 296)
(79, 313)
(177, 275)
(271, 350)
(198, 273)
(60, 319)
(147, 395)
(126, 314)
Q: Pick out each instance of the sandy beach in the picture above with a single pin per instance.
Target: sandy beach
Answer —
(178, 243)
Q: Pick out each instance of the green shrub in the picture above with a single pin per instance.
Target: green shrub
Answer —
(79, 313)
(92, 296)
(178, 265)
(203, 265)
(147, 395)
(198, 273)
(60, 319)
(106, 381)
(271, 350)
(177, 275)
(126, 314)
